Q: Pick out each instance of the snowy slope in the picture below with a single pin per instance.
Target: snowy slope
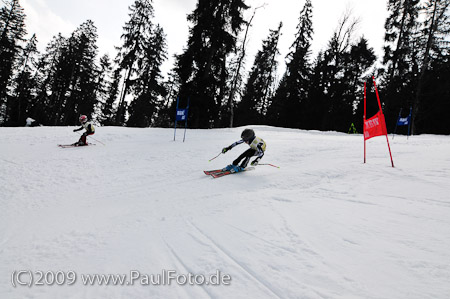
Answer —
(324, 225)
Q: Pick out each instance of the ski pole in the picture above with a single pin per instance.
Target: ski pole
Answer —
(215, 157)
(269, 165)
(93, 138)
(97, 140)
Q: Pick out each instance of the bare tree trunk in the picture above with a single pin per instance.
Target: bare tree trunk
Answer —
(399, 42)
(122, 96)
(238, 70)
(269, 79)
(426, 60)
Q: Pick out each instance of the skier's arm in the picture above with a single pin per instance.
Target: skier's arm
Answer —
(226, 149)
(259, 155)
(260, 151)
(236, 143)
(79, 129)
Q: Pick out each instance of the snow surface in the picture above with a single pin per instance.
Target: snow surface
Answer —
(323, 225)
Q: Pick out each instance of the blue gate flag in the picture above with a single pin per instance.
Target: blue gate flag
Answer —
(181, 114)
(404, 121)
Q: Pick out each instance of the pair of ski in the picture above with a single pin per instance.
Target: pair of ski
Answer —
(218, 173)
(74, 145)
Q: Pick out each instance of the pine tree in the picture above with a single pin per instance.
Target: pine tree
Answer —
(12, 31)
(399, 27)
(137, 31)
(108, 112)
(252, 109)
(83, 77)
(202, 66)
(23, 85)
(339, 104)
(53, 97)
(148, 87)
(67, 77)
(48, 82)
(104, 80)
(288, 107)
(435, 96)
(399, 56)
(166, 109)
(358, 61)
(435, 32)
(236, 67)
(318, 96)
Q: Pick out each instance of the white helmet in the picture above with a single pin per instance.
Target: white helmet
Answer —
(83, 119)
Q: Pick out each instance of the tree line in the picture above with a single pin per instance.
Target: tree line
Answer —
(322, 93)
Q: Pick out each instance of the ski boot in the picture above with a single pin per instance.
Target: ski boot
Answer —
(236, 168)
(80, 143)
(228, 167)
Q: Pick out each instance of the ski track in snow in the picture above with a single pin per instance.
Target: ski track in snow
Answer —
(239, 264)
(323, 225)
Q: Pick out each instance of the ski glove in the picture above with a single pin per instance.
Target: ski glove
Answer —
(255, 162)
(226, 149)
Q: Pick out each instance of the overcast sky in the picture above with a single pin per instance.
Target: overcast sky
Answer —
(47, 18)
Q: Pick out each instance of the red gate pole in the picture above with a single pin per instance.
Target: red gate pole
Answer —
(392, 161)
(384, 120)
(364, 122)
